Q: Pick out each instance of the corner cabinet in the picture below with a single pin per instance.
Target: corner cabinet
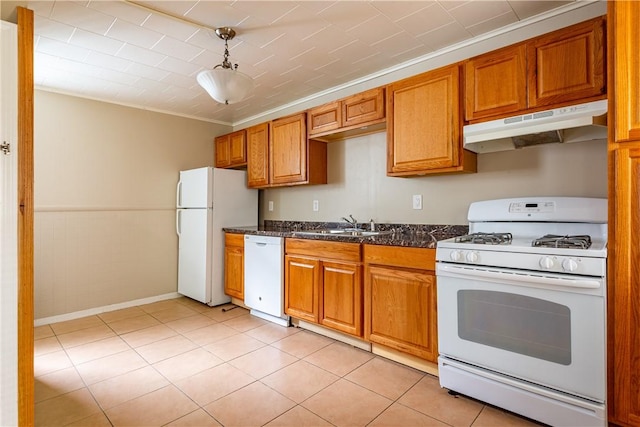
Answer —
(281, 154)
(623, 276)
(230, 150)
(549, 71)
(424, 125)
(234, 265)
(400, 299)
(323, 283)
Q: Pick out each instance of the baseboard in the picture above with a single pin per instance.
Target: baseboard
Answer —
(406, 359)
(338, 336)
(103, 309)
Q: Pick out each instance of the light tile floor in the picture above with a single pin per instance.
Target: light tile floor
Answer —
(182, 363)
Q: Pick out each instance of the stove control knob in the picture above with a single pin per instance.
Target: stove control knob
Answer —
(472, 257)
(547, 263)
(569, 265)
(456, 256)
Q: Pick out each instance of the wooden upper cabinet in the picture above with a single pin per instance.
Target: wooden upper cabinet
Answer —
(496, 83)
(347, 117)
(258, 156)
(553, 70)
(327, 117)
(424, 125)
(568, 64)
(230, 150)
(288, 150)
(363, 108)
(293, 159)
(624, 19)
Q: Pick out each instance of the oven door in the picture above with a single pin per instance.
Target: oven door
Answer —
(548, 329)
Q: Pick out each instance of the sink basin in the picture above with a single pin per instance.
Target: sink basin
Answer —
(342, 232)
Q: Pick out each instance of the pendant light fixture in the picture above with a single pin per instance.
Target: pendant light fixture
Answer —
(224, 82)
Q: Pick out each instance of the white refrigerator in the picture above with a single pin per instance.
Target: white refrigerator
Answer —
(209, 199)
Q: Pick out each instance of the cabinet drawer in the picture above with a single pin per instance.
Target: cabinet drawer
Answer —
(342, 251)
(421, 258)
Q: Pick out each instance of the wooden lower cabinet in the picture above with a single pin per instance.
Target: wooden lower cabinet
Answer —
(341, 297)
(234, 265)
(400, 300)
(302, 278)
(323, 283)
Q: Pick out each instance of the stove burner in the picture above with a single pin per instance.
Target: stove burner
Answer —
(554, 241)
(486, 238)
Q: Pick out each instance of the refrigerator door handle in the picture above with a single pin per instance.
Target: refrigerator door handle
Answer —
(178, 222)
(179, 194)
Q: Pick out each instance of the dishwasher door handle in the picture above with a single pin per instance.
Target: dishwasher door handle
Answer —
(260, 244)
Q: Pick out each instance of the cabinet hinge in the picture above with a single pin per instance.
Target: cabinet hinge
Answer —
(5, 148)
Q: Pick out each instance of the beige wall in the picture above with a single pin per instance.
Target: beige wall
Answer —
(358, 183)
(105, 179)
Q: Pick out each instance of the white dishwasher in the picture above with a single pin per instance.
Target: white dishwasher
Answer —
(264, 277)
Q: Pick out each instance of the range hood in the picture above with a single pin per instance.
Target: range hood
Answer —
(582, 122)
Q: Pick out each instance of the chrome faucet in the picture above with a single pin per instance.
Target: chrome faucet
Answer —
(352, 221)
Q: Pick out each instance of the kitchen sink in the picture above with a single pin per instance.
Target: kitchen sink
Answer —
(342, 232)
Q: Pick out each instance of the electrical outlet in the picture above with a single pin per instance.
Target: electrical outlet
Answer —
(417, 201)
(316, 206)
(270, 205)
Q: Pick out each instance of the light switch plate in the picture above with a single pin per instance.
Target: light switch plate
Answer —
(417, 201)
(316, 206)
(270, 205)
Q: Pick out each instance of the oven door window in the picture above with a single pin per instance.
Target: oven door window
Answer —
(516, 323)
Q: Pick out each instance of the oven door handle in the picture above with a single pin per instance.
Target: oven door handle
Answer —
(517, 278)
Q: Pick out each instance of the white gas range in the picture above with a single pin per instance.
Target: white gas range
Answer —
(521, 308)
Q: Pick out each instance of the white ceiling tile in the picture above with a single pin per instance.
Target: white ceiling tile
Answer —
(452, 4)
(208, 59)
(347, 14)
(299, 25)
(446, 35)
(316, 6)
(141, 55)
(62, 50)
(216, 14)
(398, 42)
(331, 38)
(527, 8)
(493, 23)
(121, 10)
(151, 85)
(473, 12)
(396, 10)
(130, 33)
(82, 17)
(176, 49)
(52, 29)
(270, 12)
(178, 66)
(95, 42)
(147, 72)
(370, 32)
(170, 27)
(107, 61)
(184, 82)
(178, 8)
(41, 8)
(409, 54)
(425, 20)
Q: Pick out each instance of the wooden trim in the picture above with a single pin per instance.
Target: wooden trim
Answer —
(25, 218)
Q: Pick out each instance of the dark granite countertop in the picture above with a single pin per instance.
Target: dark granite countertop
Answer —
(407, 235)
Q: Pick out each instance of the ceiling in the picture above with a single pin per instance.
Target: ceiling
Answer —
(147, 53)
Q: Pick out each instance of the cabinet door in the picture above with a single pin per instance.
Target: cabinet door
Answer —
(624, 287)
(302, 278)
(424, 125)
(496, 83)
(288, 150)
(237, 148)
(222, 155)
(324, 118)
(341, 297)
(363, 108)
(568, 64)
(234, 265)
(624, 19)
(400, 310)
(258, 156)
